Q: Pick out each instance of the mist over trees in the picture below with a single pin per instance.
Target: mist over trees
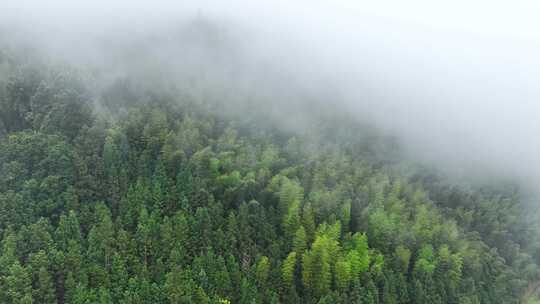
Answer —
(151, 175)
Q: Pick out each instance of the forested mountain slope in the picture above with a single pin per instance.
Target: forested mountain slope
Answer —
(140, 196)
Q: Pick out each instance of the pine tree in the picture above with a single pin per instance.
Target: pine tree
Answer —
(179, 286)
(68, 229)
(18, 285)
(292, 220)
(300, 241)
(343, 274)
(101, 241)
(143, 235)
(9, 254)
(308, 222)
(289, 193)
(316, 266)
(288, 270)
(44, 293)
(119, 277)
(70, 286)
(261, 273)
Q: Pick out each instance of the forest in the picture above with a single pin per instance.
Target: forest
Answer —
(142, 195)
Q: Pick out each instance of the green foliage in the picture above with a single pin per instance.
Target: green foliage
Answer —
(288, 270)
(317, 264)
(18, 285)
(263, 268)
(162, 200)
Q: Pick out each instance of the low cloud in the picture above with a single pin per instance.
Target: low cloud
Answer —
(458, 84)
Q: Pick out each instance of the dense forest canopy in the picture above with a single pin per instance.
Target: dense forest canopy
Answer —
(128, 190)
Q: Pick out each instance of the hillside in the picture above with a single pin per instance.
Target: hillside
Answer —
(138, 195)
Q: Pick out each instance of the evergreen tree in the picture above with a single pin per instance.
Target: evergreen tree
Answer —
(18, 285)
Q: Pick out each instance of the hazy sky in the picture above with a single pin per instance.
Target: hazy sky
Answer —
(459, 81)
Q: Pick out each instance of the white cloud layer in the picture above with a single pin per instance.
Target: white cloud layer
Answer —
(459, 81)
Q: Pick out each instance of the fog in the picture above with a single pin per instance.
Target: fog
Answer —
(457, 82)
